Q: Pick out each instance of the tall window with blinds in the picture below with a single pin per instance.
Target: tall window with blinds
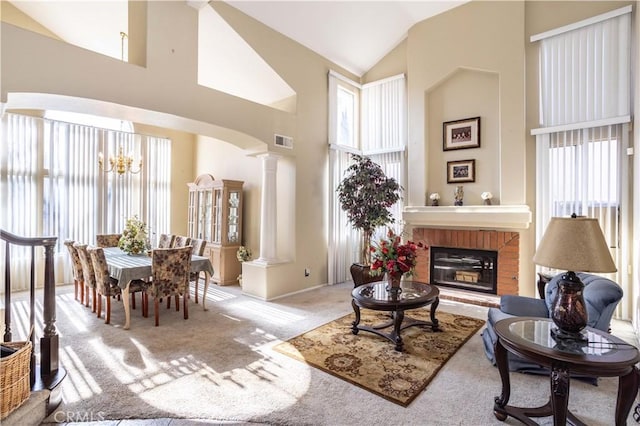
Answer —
(368, 120)
(585, 86)
(51, 184)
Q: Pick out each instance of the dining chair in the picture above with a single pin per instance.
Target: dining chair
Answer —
(108, 240)
(166, 240)
(88, 274)
(107, 286)
(78, 280)
(169, 277)
(181, 241)
(197, 249)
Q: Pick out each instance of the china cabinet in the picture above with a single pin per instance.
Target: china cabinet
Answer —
(215, 215)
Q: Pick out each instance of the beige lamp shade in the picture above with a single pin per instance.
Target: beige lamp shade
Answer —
(574, 244)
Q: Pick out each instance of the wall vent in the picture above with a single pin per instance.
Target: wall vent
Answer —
(283, 141)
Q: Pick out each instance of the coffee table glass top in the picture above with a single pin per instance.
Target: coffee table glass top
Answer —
(539, 333)
(410, 291)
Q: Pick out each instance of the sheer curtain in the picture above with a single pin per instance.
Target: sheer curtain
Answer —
(20, 189)
(51, 185)
(584, 110)
(379, 132)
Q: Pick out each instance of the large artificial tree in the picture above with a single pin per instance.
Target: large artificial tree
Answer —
(367, 194)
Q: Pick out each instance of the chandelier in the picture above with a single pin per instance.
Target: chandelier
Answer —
(120, 164)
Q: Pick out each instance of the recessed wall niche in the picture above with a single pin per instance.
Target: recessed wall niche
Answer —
(464, 93)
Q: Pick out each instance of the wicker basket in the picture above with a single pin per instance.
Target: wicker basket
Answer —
(14, 377)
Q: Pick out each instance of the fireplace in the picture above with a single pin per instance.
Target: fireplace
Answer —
(468, 269)
(505, 243)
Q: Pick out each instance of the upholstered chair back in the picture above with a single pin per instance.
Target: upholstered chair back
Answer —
(108, 240)
(181, 241)
(104, 282)
(75, 260)
(87, 265)
(166, 241)
(170, 271)
(198, 246)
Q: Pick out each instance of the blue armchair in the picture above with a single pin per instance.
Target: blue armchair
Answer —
(601, 297)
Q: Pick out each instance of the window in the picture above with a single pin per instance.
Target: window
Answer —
(368, 120)
(51, 184)
(585, 88)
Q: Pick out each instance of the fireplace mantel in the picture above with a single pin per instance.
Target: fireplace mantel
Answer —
(471, 217)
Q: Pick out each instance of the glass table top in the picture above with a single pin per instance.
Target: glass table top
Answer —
(409, 291)
(539, 333)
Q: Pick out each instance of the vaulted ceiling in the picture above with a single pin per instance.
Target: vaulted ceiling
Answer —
(353, 34)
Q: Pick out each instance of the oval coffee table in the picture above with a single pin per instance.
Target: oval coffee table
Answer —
(410, 295)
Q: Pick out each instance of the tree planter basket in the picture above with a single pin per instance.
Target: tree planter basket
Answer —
(14, 377)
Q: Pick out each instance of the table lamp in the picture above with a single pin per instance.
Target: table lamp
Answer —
(572, 244)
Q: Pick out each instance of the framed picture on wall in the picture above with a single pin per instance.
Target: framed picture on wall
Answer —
(461, 134)
(461, 171)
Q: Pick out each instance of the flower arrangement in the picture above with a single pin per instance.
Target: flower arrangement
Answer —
(243, 254)
(134, 236)
(392, 257)
(434, 197)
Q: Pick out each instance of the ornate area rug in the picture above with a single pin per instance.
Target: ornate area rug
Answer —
(371, 362)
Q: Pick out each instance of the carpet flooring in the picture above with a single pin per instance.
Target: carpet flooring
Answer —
(220, 366)
(371, 362)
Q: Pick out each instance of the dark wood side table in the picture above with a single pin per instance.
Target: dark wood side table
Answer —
(602, 356)
(410, 295)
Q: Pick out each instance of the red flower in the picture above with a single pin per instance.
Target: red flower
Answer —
(390, 255)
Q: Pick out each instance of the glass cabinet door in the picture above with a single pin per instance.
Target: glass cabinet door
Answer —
(233, 230)
(217, 216)
(192, 213)
(206, 220)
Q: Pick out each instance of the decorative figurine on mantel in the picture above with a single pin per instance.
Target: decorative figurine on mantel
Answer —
(434, 197)
(458, 195)
(486, 196)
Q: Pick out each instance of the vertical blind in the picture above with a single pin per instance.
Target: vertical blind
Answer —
(379, 132)
(584, 110)
(51, 185)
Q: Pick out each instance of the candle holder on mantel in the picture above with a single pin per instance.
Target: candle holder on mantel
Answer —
(458, 195)
(435, 199)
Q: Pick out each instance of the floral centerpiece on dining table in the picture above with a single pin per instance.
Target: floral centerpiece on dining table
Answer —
(134, 237)
(394, 258)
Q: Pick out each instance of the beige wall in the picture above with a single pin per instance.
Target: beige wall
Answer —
(164, 94)
(480, 49)
(15, 16)
(478, 52)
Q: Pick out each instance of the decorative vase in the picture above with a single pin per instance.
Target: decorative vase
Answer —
(434, 203)
(394, 279)
(458, 195)
(487, 202)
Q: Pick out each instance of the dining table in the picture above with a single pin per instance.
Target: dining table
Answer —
(129, 267)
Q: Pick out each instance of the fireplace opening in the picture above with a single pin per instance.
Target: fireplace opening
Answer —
(469, 269)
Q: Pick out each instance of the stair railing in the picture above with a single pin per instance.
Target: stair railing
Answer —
(49, 360)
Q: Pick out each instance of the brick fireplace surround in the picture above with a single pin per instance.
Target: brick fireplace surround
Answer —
(507, 244)
(494, 227)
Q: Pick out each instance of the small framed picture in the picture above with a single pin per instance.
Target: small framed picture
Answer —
(461, 171)
(461, 134)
